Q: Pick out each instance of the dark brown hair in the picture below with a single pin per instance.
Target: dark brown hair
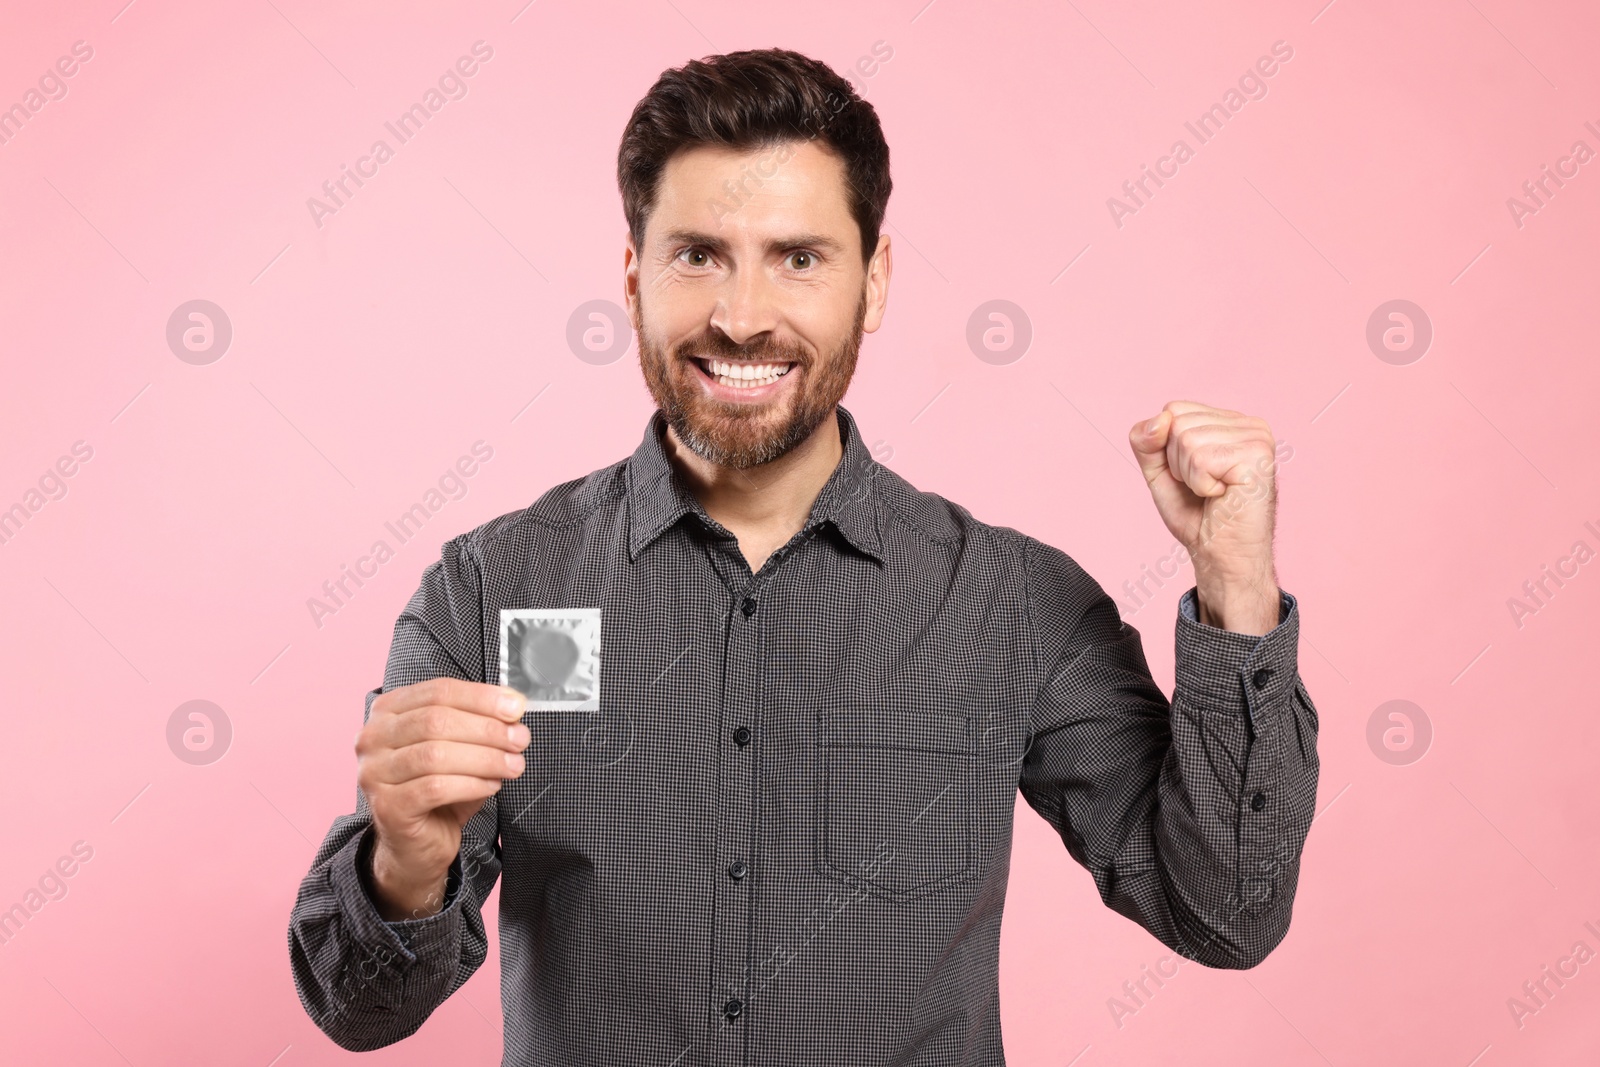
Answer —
(754, 99)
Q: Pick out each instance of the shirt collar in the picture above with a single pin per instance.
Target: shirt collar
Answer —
(657, 498)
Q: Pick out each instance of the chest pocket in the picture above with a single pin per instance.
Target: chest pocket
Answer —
(894, 798)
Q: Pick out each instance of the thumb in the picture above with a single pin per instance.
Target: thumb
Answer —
(1172, 498)
(1149, 441)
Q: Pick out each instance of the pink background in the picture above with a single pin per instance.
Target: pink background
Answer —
(369, 353)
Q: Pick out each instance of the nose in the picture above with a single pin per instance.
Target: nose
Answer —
(746, 307)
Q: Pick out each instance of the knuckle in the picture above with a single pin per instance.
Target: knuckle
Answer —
(435, 720)
(383, 704)
(429, 756)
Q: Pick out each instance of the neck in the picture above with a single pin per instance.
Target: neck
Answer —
(770, 501)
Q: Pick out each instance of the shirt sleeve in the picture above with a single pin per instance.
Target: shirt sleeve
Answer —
(364, 981)
(1190, 815)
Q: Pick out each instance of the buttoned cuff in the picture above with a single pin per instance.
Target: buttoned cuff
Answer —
(1234, 674)
(408, 940)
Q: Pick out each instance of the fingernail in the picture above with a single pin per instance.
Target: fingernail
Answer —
(511, 703)
(1152, 425)
(518, 735)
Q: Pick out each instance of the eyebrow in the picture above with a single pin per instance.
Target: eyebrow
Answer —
(777, 244)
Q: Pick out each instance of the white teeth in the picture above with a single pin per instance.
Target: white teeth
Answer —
(747, 375)
(746, 370)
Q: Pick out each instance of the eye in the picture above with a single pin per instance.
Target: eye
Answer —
(809, 260)
(692, 252)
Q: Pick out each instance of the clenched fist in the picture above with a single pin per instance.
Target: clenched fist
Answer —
(1212, 472)
(430, 755)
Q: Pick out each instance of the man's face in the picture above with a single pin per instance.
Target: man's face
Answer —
(750, 299)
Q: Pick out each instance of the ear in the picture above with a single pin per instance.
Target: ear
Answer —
(630, 276)
(879, 268)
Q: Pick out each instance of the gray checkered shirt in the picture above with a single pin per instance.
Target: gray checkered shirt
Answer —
(784, 837)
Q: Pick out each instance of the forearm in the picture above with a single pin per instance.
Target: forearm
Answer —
(1241, 598)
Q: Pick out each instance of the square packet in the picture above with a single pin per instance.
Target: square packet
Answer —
(552, 657)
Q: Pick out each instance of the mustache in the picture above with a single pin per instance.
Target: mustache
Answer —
(719, 347)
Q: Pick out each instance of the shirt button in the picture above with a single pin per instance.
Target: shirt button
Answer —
(1258, 802)
(1260, 678)
(741, 735)
(733, 1009)
(737, 870)
(748, 607)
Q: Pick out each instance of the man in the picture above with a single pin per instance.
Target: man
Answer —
(784, 837)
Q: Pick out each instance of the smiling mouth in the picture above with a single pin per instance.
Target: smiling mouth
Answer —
(743, 375)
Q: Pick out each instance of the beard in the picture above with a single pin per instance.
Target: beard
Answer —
(743, 435)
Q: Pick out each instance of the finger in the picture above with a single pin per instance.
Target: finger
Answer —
(1178, 415)
(440, 790)
(1197, 418)
(479, 698)
(450, 758)
(1192, 462)
(1182, 449)
(437, 722)
(1211, 456)
(1190, 428)
(1192, 407)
